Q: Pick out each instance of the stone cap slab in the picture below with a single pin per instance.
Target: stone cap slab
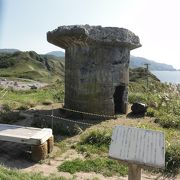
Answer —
(84, 35)
(24, 135)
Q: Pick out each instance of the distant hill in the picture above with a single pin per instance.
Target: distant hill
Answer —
(56, 53)
(49, 67)
(31, 65)
(136, 62)
(8, 50)
(139, 74)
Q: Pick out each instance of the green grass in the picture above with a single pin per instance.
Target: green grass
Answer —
(164, 107)
(12, 174)
(173, 159)
(172, 155)
(63, 146)
(95, 142)
(97, 138)
(163, 104)
(27, 99)
(105, 166)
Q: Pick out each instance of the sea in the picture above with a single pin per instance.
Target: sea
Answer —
(168, 76)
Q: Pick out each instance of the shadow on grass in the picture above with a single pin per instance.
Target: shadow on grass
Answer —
(15, 155)
(64, 125)
(64, 122)
(132, 115)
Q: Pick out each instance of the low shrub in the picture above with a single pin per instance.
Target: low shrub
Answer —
(31, 103)
(10, 117)
(23, 107)
(6, 108)
(97, 138)
(168, 120)
(95, 142)
(165, 107)
(172, 155)
(137, 97)
(47, 102)
(173, 159)
(150, 112)
(59, 95)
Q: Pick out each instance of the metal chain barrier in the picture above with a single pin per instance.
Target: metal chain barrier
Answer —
(92, 114)
(65, 119)
(3, 94)
(3, 89)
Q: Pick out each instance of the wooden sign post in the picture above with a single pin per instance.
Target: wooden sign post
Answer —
(137, 147)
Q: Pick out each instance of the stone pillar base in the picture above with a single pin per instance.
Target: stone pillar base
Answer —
(50, 144)
(125, 108)
(39, 152)
(96, 62)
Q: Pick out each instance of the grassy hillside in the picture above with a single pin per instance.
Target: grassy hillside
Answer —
(140, 74)
(30, 65)
(92, 145)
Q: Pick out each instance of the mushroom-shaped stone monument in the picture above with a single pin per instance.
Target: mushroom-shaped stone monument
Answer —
(96, 66)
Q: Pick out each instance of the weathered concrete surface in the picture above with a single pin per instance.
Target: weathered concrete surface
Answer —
(24, 135)
(96, 63)
(77, 35)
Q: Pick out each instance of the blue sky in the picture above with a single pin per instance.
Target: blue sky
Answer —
(24, 23)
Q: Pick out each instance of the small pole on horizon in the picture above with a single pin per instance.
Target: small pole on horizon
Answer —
(147, 73)
(52, 120)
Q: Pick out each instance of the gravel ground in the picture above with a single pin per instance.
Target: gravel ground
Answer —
(21, 85)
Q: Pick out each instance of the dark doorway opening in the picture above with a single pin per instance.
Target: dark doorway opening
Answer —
(118, 99)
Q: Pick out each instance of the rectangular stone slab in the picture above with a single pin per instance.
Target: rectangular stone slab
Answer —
(138, 146)
(25, 135)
